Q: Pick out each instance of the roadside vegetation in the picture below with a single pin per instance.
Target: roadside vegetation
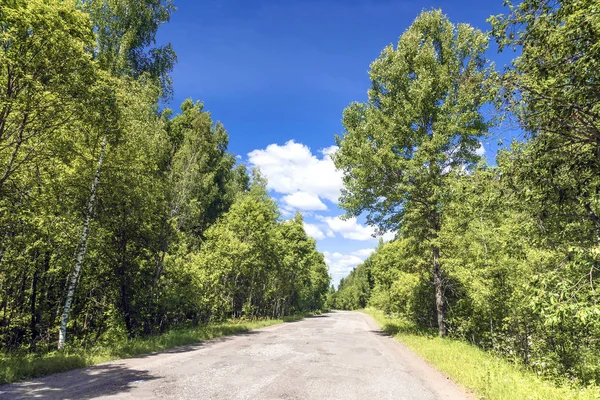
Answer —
(502, 260)
(19, 366)
(486, 375)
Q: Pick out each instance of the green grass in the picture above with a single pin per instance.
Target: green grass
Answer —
(17, 367)
(487, 376)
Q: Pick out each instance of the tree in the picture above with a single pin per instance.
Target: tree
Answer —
(552, 87)
(421, 122)
(234, 264)
(201, 170)
(116, 218)
(40, 43)
(302, 279)
(126, 31)
(553, 84)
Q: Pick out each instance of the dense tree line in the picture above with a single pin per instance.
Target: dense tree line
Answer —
(119, 218)
(504, 256)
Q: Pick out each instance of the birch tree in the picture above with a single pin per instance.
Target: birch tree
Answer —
(125, 29)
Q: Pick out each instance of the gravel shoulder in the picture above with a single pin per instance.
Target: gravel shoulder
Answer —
(338, 355)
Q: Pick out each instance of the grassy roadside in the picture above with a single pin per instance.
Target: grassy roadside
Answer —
(489, 377)
(16, 367)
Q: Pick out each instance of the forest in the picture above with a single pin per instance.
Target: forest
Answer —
(120, 218)
(503, 256)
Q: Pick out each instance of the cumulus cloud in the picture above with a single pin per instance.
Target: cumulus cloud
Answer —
(293, 168)
(388, 236)
(480, 150)
(350, 228)
(363, 252)
(314, 231)
(340, 264)
(304, 201)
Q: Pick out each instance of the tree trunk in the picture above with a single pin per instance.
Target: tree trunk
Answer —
(439, 291)
(122, 273)
(153, 300)
(33, 322)
(3, 248)
(81, 249)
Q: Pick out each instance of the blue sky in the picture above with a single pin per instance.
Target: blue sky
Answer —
(278, 74)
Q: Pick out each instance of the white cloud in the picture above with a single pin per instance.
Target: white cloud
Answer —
(480, 150)
(388, 236)
(340, 264)
(304, 201)
(327, 151)
(293, 168)
(314, 231)
(363, 252)
(350, 228)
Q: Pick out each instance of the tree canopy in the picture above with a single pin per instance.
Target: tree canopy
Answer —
(421, 124)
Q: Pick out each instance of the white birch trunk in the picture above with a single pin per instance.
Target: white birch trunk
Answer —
(81, 249)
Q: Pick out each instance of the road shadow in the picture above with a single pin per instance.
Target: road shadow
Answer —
(317, 316)
(85, 383)
(102, 379)
(109, 378)
(294, 319)
(381, 332)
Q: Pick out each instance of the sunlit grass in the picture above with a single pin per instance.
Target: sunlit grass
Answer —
(487, 376)
(16, 367)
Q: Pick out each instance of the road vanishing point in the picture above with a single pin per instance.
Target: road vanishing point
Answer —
(338, 355)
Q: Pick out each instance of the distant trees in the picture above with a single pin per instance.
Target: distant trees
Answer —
(111, 211)
(256, 265)
(518, 241)
(354, 290)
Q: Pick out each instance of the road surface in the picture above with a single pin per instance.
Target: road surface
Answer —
(339, 355)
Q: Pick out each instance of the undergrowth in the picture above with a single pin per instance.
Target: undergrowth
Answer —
(486, 375)
(19, 366)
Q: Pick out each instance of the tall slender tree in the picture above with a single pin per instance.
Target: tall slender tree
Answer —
(422, 122)
(125, 30)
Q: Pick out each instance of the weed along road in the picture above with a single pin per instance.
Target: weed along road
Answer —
(339, 355)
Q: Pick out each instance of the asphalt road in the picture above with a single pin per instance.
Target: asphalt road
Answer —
(340, 355)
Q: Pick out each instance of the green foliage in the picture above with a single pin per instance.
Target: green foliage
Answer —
(200, 170)
(488, 376)
(554, 95)
(251, 264)
(125, 32)
(509, 287)
(422, 118)
(354, 290)
(422, 122)
(41, 43)
(145, 214)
